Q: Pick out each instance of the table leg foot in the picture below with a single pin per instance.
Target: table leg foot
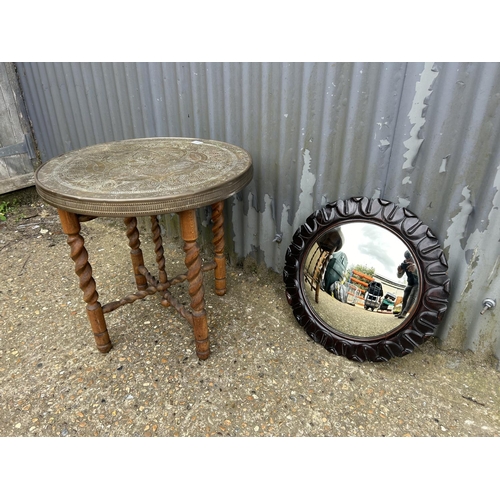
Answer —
(218, 241)
(189, 231)
(201, 336)
(71, 227)
(98, 324)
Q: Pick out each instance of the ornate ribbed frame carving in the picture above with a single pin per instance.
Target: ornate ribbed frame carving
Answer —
(432, 265)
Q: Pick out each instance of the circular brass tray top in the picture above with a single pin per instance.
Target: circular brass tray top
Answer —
(144, 176)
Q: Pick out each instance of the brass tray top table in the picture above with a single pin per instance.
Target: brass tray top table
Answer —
(147, 177)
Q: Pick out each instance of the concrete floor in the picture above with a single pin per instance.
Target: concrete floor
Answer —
(265, 376)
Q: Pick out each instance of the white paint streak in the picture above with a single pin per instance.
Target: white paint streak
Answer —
(474, 279)
(403, 202)
(483, 243)
(456, 231)
(384, 145)
(422, 91)
(444, 163)
(407, 180)
(260, 228)
(307, 182)
(482, 239)
(494, 271)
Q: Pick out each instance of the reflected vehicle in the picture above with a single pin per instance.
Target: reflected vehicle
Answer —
(373, 297)
(388, 301)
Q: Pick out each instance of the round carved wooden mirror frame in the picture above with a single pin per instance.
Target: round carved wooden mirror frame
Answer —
(431, 303)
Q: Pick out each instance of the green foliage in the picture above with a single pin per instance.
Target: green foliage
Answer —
(4, 209)
(369, 271)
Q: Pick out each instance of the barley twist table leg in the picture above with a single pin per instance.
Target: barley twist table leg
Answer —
(160, 259)
(218, 239)
(189, 232)
(135, 252)
(71, 227)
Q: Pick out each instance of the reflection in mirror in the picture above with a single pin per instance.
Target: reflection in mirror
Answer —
(361, 279)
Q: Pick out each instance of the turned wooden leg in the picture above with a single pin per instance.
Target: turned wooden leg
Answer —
(189, 232)
(218, 239)
(160, 259)
(320, 275)
(71, 227)
(135, 252)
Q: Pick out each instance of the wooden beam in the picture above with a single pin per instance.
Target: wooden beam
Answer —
(15, 183)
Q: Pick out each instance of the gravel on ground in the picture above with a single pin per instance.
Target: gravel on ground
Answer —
(265, 376)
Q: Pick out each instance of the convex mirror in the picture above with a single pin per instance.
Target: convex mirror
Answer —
(366, 279)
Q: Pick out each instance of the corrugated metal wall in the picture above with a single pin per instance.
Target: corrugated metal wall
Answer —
(16, 146)
(425, 136)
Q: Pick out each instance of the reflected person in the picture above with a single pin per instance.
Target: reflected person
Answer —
(410, 294)
(335, 270)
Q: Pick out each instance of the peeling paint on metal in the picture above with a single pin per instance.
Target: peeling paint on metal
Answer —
(305, 208)
(307, 182)
(416, 115)
(472, 278)
(494, 272)
(258, 229)
(443, 165)
(477, 239)
(384, 145)
(456, 230)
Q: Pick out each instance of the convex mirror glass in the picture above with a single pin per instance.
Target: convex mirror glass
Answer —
(366, 279)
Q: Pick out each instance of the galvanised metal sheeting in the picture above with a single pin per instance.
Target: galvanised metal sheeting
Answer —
(425, 136)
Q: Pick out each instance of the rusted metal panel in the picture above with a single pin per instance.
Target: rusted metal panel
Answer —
(424, 135)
